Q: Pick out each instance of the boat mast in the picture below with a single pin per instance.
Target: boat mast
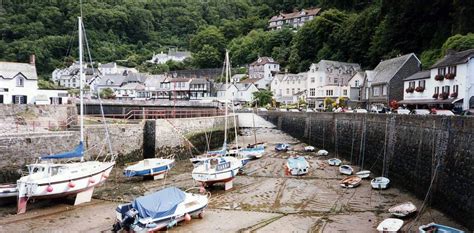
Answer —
(81, 72)
(226, 64)
(253, 123)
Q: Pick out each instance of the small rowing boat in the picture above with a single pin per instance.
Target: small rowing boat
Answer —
(403, 209)
(351, 182)
(380, 182)
(334, 162)
(390, 225)
(346, 170)
(297, 166)
(322, 152)
(363, 174)
(149, 167)
(435, 227)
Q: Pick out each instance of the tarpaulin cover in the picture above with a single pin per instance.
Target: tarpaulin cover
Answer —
(77, 152)
(160, 204)
(297, 162)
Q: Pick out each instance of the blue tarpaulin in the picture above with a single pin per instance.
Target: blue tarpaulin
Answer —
(297, 162)
(160, 204)
(77, 152)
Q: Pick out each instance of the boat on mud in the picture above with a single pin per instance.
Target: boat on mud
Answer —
(309, 148)
(322, 152)
(438, 228)
(334, 162)
(403, 209)
(390, 225)
(297, 166)
(363, 174)
(159, 210)
(155, 167)
(380, 182)
(217, 170)
(8, 190)
(346, 170)
(351, 182)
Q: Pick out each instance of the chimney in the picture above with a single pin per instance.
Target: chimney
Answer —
(32, 59)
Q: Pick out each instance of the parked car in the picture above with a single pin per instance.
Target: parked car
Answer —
(262, 109)
(283, 110)
(444, 112)
(309, 148)
(282, 147)
(403, 111)
(421, 112)
(360, 110)
(294, 110)
(309, 110)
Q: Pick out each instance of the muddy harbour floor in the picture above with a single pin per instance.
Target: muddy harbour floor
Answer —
(263, 199)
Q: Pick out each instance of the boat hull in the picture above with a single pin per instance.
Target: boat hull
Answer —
(403, 210)
(214, 178)
(380, 183)
(346, 170)
(363, 174)
(133, 170)
(434, 227)
(8, 190)
(351, 182)
(390, 225)
(334, 162)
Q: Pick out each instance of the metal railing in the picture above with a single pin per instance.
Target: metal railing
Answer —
(139, 114)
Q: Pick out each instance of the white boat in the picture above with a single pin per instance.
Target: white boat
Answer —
(438, 228)
(8, 190)
(159, 210)
(217, 170)
(149, 167)
(297, 166)
(403, 209)
(390, 225)
(322, 152)
(334, 162)
(380, 182)
(363, 174)
(47, 179)
(252, 153)
(350, 182)
(309, 148)
(346, 170)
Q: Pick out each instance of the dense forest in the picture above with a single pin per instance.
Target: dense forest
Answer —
(129, 32)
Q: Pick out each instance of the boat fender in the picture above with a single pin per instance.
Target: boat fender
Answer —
(71, 184)
(105, 175)
(172, 223)
(151, 225)
(91, 180)
(49, 188)
(187, 217)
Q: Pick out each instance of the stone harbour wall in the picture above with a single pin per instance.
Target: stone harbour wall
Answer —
(416, 150)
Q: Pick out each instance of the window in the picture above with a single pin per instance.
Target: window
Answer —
(287, 91)
(293, 82)
(344, 92)
(421, 83)
(19, 99)
(446, 89)
(320, 79)
(442, 71)
(455, 89)
(452, 70)
(329, 92)
(376, 91)
(411, 84)
(336, 81)
(312, 79)
(292, 91)
(1, 99)
(384, 90)
(299, 81)
(312, 92)
(436, 90)
(298, 90)
(356, 83)
(20, 82)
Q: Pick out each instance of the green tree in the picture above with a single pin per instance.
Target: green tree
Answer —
(458, 43)
(208, 57)
(263, 97)
(107, 93)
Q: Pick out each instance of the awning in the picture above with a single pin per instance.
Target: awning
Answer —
(428, 101)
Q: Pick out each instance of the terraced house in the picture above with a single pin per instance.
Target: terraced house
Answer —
(293, 20)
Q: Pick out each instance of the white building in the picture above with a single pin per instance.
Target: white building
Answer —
(449, 84)
(113, 68)
(329, 79)
(263, 68)
(172, 55)
(294, 20)
(289, 88)
(130, 91)
(238, 93)
(19, 85)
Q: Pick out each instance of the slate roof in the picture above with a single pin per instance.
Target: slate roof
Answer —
(425, 74)
(250, 80)
(9, 70)
(180, 80)
(242, 86)
(108, 65)
(155, 80)
(133, 86)
(385, 70)
(263, 61)
(296, 14)
(199, 81)
(117, 80)
(135, 77)
(455, 58)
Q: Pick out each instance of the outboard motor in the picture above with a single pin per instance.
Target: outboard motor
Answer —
(128, 219)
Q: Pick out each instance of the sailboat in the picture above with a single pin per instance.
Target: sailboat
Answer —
(49, 179)
(219, 167)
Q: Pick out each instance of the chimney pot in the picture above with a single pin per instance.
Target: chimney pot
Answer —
(32, 59)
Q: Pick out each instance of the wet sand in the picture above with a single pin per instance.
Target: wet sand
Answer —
(263, 199)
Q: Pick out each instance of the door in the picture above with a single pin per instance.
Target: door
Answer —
(1, 99)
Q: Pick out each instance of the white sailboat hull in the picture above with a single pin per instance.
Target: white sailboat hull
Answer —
(209, 174)
(380, 182)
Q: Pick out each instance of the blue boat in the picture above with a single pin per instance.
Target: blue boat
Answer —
(149, 167)
(282, 147)
(438, 228)
(297, 166)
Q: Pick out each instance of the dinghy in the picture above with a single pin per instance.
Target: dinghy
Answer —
(390, 225)
(380, 182)
(252, 153)
(351, 182)
(156, 167)
(217, 170)
(322, 152)
(8, 190)
(162, 209)
(346, 170)
(334, 162)
(363, 174)
(309, 148)
(403, 209)
(297, 166)
(438, 228)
